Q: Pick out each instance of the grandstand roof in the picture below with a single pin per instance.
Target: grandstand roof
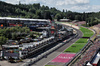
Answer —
(10, 46)
(96, 59)
(26, 19)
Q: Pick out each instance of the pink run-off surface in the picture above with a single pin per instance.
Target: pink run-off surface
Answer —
(64, 58)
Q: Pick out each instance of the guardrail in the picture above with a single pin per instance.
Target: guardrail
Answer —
(32, 61)
(82, 50)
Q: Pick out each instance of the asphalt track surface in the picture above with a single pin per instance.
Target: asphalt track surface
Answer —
(54, 54)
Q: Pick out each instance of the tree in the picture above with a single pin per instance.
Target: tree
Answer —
(36, 5)
(58, 16)
(8, 33)
(84, 16)
(63, 11)
(47, 14)
(31, 34)
(32, 10)
(1, 32)
(43, 7)
(14, 36)
(77, 17)
(27, 30)
(43, 12)
(39, 13)
(13, 29)
(3, 40)
(18, 10)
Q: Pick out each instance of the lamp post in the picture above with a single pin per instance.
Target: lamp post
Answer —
(87, 26)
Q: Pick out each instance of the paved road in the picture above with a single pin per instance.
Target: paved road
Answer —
(51, 56)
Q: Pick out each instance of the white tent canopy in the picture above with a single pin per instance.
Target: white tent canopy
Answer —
(98, 55)
(88, 64)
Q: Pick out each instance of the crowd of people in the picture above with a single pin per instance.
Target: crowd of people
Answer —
(90, 53)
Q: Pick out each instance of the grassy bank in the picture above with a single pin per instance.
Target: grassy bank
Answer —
(79, 44)
(75, 48)
(86, 32)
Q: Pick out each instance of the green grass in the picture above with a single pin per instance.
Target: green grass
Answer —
(86, 32)
(82, 40)
(75, 48)
(79, 44)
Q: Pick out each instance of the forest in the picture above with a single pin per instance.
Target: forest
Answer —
(36, 11)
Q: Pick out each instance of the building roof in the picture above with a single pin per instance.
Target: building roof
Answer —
(26, 45)
(96, 59)
(10, 46)
(43, 28)
(25, 19)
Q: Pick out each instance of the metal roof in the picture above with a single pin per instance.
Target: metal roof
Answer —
(10, 46)
(26, 45)
(26, 19)
(96, 59)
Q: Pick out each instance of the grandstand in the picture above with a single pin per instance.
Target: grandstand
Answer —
(24, 47)
(9, 22)
(91, 56)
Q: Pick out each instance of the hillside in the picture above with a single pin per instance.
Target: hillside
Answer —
(36, 11)
(26, 10)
